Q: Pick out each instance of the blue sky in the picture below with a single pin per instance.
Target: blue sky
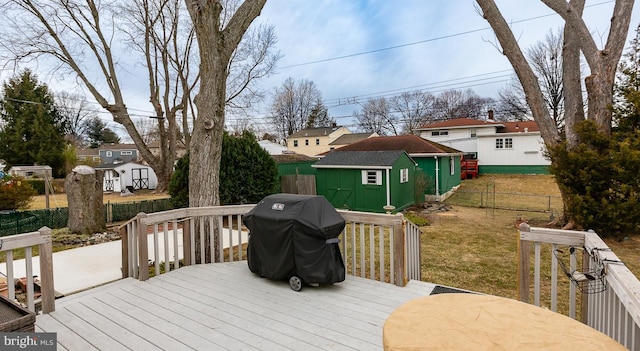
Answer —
(436, 45)
(388, 47)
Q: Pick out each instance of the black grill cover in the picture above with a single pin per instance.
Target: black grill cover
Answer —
(295, 235)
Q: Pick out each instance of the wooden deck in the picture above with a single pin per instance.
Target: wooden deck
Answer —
(223, 306)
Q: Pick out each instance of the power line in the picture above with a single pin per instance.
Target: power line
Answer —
(448, 36)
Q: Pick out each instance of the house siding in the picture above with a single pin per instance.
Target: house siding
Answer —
(511, 169)
(343, 187)
(446, 181)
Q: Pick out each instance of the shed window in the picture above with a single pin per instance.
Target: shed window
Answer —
(371, 177)
(452, 166)
(404, 175)
(82, 158)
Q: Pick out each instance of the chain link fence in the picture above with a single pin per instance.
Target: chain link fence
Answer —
(520, 202)
(16, 222)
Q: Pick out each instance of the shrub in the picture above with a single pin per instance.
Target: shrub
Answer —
(15, 193)
(37, 184)
(599, 181)
(247, 173)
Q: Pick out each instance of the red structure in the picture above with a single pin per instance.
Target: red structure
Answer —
(468, 169)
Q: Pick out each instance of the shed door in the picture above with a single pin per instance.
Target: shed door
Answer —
(340, 189)
(108, 180)
(140, 178)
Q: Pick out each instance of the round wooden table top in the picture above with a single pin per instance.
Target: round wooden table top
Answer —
(480, 322)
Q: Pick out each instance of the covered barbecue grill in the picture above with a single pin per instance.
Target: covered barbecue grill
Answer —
(295, 237)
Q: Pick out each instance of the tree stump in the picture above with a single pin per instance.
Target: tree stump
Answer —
(84, 196)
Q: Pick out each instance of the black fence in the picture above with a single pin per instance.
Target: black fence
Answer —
(17, 222)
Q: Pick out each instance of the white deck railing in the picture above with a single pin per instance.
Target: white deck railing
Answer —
(377, 246)
(26, 241)
(610, 293)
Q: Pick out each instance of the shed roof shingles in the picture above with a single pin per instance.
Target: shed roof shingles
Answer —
(361, 158)
(412, 144)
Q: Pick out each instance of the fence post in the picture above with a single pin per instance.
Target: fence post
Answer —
(143, 248)
(399, 254)
(523, 264)
(47, 290)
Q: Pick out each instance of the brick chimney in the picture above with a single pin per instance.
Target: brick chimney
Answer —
(490, 117)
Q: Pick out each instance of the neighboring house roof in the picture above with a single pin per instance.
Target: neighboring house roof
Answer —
(460, 123)
(118, 147)
(314, 132)
(359, 159)
(30, 168)
(347, 139)
(87, 152)
(519, 127)
(118, 165)
(292, 157)
(412, 144)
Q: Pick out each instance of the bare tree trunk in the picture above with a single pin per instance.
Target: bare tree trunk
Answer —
(216, 45)
(574, 106)
(84, 195)
(528, 79)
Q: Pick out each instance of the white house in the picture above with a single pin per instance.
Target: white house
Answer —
(130, 175)
(272, 148)
(500, 147)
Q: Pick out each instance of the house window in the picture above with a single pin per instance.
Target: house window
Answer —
(504, 143)
(452, 166)
(404, 175)
(126, 153)
(96, 158)
(473, 133)
(82, 158)
(439, 132)
(317, 141)
(109, 153)
(371, 177)
(508, 143)
(306, 142)
(295, 143)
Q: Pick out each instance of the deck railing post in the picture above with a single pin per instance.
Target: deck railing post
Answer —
(186, 241)
(523, 264)
(124, 235)
(143, 248)
(399, 253)
(47, 290)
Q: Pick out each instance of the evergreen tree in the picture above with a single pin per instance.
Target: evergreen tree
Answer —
(247, 173)
(97, 133)
(32, 131)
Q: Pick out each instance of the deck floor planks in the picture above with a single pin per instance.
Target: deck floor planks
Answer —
(287, 334)
(225, 306)
(305, 317)
(320, 301)
(342, 295)
(123, 330)
(182, 318)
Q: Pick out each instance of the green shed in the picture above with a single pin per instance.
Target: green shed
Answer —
(440, 164)
(367, 180)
